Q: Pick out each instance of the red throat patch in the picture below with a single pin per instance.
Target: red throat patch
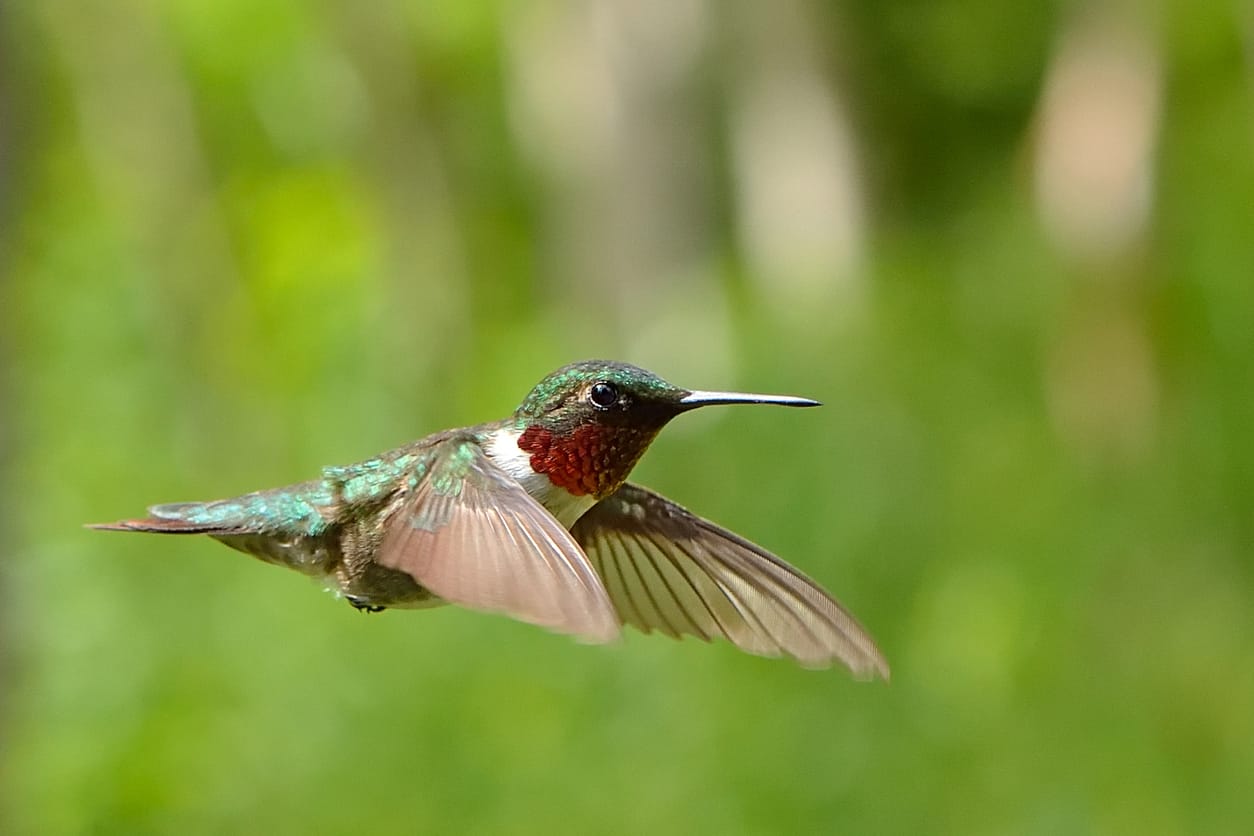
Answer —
(593, 459)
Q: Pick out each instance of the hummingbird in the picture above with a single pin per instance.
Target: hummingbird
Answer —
(533, 517)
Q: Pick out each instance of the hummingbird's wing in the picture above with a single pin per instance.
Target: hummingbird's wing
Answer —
(470, 533)
(667, 569)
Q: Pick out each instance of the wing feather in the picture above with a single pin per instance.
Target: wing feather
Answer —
(470, 533)
(666, 569)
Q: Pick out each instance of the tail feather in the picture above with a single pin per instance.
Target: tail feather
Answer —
(159, 525)
(172, 518)
(296, 510)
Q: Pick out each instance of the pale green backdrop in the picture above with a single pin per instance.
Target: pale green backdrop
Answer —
(1007, 244)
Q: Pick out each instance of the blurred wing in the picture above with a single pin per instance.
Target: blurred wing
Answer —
(472, 534)
(669, 570)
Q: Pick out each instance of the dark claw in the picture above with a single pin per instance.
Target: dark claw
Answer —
(361, 605)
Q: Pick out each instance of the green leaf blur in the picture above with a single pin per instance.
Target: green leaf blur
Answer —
(1007, 245)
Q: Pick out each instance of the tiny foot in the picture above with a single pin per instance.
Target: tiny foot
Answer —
(361, 605)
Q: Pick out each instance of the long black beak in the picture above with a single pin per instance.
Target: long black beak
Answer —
(695, 399)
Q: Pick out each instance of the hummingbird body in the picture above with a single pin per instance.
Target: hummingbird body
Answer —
(532, 516)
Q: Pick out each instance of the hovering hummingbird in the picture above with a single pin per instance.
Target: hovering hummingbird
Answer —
(532, 517)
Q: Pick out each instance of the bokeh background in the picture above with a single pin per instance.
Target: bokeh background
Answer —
(1010, 245)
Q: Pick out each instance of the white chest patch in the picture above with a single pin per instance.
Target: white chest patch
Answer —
(502, 448)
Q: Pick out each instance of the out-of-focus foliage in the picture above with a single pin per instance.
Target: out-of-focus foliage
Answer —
(1008, 244)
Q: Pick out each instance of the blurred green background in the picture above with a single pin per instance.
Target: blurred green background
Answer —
(1009, 245)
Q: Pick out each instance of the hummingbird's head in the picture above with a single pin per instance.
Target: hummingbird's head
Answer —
(587, 424)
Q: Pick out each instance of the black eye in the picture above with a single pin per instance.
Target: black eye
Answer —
(603, 395)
